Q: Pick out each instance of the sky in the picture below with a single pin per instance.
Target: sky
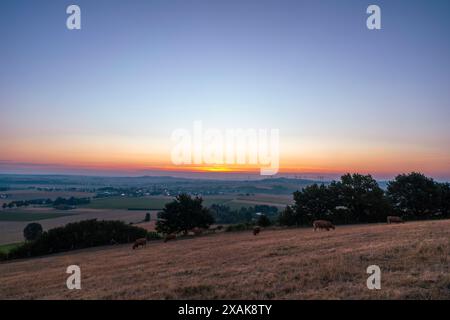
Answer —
(106, 99)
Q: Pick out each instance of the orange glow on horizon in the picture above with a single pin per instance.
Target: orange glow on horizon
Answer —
(137, 156)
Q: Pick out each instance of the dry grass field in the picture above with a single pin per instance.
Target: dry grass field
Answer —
(277, 264)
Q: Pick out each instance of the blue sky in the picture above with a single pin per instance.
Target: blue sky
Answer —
(338, 92)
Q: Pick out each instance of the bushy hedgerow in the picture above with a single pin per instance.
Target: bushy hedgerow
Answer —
(238, 227)
(78, 235)
(264, 221)
(3, 256)
(152, 235)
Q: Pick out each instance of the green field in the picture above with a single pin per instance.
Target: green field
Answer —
(6, 248)
(13, 215)
(144, 203)
(158, 202)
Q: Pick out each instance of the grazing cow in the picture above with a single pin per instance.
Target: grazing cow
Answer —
(256, 230)
(322, 224)
(394, 219)
(140, 242)
(171, 236)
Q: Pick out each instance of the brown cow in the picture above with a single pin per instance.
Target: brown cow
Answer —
(171, 236)
(140, 242)
(322, 224)
(256, 230)
(394, 219)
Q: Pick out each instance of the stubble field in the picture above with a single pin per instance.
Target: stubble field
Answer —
(276, 264)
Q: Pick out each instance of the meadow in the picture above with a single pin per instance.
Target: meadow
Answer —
(294, 263)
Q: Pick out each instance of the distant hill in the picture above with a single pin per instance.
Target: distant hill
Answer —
(270, 185)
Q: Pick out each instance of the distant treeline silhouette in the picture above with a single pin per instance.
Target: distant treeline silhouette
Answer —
(357, 198)
(72, 201)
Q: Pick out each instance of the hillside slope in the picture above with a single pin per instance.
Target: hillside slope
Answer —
(277, 264)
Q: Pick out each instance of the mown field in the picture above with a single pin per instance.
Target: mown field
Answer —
(277, 264)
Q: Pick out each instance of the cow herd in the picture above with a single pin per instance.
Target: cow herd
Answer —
(317, 225)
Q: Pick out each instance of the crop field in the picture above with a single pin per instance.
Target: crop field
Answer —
(33, 214)
(276, 264)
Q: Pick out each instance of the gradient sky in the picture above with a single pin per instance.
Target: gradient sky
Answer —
(105, 99)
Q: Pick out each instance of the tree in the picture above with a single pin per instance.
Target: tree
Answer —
(360, 197)
(4, 205)
(263, 221)
(224, 214)
(147, 217)
(414, 195)
(444, 199)
(312, 202)
(32, 231)
(183, 214)
(288, 217)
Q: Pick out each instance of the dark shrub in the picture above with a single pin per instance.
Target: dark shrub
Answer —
(3, 256)
(147, 217)
(32, 231)
(288, 217)
(224, 214)
(152, 235)
(264, 221)
(238, 227)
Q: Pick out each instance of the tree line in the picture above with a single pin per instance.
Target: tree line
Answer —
(223, 214)
(357, 198)
(72, 201)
